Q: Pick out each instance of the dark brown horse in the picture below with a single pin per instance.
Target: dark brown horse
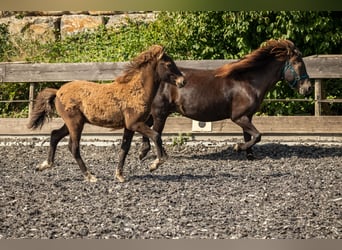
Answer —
(125, 103)
(233, 91)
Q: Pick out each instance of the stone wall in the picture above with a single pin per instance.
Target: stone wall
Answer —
(51, 25)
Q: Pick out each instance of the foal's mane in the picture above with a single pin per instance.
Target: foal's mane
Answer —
(280, 49)
(134, 67)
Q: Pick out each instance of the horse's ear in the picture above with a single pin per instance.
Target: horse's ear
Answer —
(161, 53)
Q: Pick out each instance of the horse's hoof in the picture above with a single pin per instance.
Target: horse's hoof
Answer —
(237, 147)
(44, 165)
(165, 156)
(143, 152)
(90, 178)
(250, 157)
(155, 164)
(142, 156)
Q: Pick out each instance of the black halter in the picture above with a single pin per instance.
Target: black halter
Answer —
(296, 77)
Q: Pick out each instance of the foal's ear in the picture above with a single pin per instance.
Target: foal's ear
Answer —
(161, 53)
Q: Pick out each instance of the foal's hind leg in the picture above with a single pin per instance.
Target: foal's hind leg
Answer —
(56, 136)
(75, 130)
(251, 136)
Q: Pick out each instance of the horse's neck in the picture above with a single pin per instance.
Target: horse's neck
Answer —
(265, 78)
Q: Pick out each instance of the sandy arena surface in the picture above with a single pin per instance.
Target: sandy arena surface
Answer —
(291, 191)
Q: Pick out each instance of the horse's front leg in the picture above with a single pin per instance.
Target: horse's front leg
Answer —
(146, 146)
(158, 126)
(158, 123)
(125, 146)
(251, 136)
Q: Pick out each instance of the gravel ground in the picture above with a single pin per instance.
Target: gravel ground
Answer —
(202, 191)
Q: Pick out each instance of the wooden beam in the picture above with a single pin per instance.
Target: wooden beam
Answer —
(318, 97)
(324, 66)
(321, 67)
(60, 72)
(31, 98)
(296, 125)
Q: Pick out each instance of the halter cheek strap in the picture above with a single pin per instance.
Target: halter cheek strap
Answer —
(296, 77)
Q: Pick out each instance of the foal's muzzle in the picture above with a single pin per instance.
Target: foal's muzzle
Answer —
(180, 82)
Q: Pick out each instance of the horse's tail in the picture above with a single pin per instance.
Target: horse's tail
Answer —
(43, 107)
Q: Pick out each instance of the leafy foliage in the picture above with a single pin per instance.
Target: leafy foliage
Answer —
(4, 41)
(195, 35)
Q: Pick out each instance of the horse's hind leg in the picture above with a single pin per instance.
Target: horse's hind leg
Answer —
(56, 136)
(75, 130)
(251, 136)
(249, 151)
(125, 146)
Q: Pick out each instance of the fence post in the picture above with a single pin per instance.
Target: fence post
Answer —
(31, 98)
(318, 97)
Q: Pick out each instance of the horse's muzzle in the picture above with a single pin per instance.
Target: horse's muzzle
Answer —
(305, 88)
(180, 82)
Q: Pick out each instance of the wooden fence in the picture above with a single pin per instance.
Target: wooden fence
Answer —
(319, 67)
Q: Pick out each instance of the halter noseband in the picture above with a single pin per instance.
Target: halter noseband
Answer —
(296, 77)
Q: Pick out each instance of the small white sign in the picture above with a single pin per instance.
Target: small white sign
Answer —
(198, 126)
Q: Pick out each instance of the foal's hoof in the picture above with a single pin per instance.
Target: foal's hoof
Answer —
(44, 165)
(237, 147)
(90, 178)
(155, 164)
(119, 177)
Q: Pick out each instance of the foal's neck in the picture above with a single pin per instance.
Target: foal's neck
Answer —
(150, 81)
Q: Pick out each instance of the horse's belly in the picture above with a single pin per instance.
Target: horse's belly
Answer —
(105, 118)
(206, 114)
(211, 117)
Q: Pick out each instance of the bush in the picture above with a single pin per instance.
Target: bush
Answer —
(200, 35)
(4, 42)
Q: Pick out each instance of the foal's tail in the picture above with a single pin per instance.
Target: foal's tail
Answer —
(43, 107)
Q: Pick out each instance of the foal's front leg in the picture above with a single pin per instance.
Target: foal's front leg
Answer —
(125, 146)
(156, 138)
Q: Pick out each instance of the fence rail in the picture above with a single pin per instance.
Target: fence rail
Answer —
(318, 67)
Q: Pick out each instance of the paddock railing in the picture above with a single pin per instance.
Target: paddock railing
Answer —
(319, 68)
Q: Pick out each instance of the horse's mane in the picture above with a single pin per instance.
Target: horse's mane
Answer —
(134, 67)
(279, 49)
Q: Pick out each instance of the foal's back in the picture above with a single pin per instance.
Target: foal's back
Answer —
(101, 104)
